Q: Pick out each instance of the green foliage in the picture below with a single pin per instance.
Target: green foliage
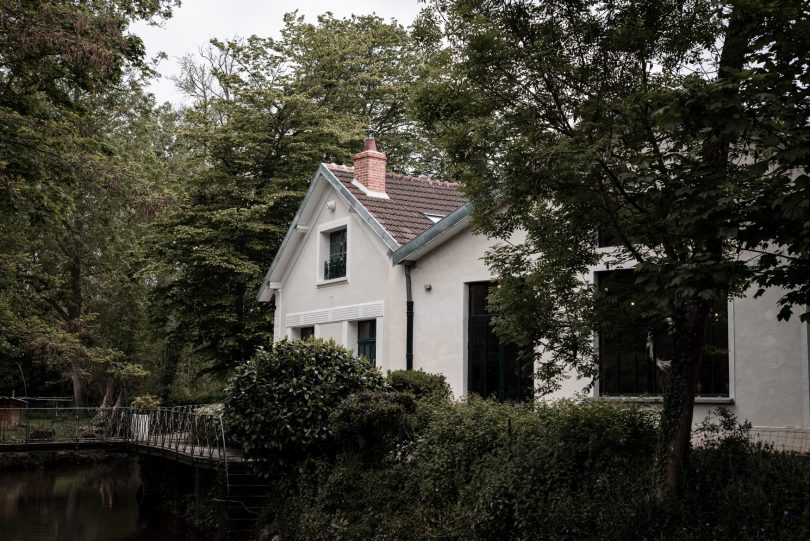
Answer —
(145, 402)
(278, 405)
(419, 383)
(371, 423)
(569, 470)
(679, 129)
(80, 172)
(265, 112)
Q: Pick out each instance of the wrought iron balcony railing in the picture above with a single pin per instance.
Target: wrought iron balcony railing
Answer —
(334, 267)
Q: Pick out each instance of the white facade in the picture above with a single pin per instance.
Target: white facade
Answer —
(769, 361)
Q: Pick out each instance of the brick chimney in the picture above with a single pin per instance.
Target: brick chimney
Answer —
(369, 167)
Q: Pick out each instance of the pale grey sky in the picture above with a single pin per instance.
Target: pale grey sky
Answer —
(197, 21)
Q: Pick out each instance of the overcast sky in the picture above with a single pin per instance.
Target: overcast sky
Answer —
(197, 21)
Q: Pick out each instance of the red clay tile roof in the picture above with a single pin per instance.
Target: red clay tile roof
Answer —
(403, 215)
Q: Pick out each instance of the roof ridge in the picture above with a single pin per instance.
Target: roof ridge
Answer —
(397, 176)
(428, 180)
(339, 166)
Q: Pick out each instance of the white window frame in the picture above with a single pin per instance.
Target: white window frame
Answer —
(323, 250)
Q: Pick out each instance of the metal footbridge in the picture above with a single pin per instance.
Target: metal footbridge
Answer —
(184, 434)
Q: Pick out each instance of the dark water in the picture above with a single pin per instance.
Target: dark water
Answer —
(80, 503)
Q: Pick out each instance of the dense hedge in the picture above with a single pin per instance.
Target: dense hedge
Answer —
(571, 470)
(419, 383)
(278, 404)
(408, 463)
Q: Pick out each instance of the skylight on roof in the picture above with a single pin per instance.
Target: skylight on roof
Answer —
(433, 217)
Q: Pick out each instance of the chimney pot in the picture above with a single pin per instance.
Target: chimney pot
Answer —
(369, 167)
(371, 144)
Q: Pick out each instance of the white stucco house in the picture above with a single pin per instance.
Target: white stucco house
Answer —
(388, 266)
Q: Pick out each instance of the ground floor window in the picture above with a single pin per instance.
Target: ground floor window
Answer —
(307, 332)
(302, 333)
(367, 339)
(634, 349)
(493, 366)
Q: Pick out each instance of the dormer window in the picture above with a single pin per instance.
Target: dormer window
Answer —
(435, 218)
(335, 265)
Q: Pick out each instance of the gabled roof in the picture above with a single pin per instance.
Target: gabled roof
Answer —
(415, 214)
(411, 200)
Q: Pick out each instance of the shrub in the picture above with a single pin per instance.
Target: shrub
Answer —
(419, 383)
(482, 470)
(485, 470)
(372, 423)
(278, 404)
(145, 402)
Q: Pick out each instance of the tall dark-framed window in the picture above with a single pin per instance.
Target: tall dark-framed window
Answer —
(634, 350)
(335, 264)
(493, 366)
(367, 339)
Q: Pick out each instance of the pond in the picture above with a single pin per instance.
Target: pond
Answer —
(88, 502)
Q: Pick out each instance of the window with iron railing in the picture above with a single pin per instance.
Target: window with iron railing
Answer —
(335, 265)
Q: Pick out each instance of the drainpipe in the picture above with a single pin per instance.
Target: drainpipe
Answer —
(408, 317)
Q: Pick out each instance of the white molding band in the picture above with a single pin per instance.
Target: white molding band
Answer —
(335, 314)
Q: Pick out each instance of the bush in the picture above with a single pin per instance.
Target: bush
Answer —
(419, 383)
(737, 489)
(278, 404)
(482, 470)
(145, 402)
(485, 470)
(372, 423)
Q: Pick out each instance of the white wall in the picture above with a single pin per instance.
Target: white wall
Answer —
(440, 314)
(366, 283)
(770, 366)
(769, 361)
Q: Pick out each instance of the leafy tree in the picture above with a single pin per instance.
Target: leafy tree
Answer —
(265, 112)
(679, 128)
(74, 166)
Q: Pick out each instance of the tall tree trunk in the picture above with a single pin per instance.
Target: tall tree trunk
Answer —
(679, 396)
(690, 316)
(78, 386)
(109, 390)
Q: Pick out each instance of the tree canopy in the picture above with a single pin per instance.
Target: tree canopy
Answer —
(264, 113)
(678, 129)
(78, 170)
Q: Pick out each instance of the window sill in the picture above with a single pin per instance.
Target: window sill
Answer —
(720, 400)
(332, 282)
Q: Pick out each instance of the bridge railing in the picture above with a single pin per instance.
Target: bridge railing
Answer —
(183, 430)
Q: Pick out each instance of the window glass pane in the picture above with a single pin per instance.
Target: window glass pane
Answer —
(477, 356)
(493, 368)
(635, 350)
(518, 381)
(479, 292)
(367, 339)
(337, 242)
(335, 265)
(307, 332)
(367, 329)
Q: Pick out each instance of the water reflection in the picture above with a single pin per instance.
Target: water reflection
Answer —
(81, 503)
